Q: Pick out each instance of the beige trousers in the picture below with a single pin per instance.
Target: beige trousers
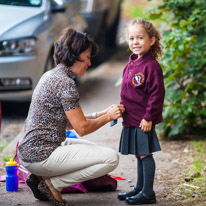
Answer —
(75, 161)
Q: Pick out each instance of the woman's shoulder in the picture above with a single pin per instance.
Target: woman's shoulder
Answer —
(55, 80)
(61, 76)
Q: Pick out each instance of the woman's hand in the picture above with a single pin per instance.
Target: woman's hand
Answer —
(145, 125)
(108, 108)
(115, 111)
(121, 107)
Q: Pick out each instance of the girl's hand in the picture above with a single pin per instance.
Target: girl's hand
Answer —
(145, 125)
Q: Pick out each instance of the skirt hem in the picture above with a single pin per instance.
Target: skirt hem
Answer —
(136, 142)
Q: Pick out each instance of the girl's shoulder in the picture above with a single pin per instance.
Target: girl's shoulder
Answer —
(154, 65)
(154, 69)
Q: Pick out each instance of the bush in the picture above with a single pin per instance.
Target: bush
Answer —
(184, 66)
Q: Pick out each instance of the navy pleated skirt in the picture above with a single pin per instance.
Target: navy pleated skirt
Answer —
(135, 141)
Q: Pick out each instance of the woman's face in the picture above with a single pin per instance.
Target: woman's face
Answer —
(79, 67)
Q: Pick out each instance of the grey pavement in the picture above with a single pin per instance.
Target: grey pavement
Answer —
(97, 91)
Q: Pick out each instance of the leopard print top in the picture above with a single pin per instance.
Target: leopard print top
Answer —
(45, 126)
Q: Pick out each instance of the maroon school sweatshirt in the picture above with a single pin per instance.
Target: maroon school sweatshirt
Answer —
(142, 91)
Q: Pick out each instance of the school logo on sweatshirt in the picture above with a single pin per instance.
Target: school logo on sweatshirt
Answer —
(138, 79)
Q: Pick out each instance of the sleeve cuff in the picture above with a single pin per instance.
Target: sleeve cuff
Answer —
(148, 117)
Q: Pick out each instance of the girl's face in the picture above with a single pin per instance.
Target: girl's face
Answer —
(79, 67)
(139, 41)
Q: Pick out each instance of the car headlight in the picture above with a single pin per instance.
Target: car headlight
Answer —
(16, 47)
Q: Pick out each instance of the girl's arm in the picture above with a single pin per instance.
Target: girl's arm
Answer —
(156, 92)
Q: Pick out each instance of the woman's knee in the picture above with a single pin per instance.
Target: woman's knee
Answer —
(117, 159)
(114, 158)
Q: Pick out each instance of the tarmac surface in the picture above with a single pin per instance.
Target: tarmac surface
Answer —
(97, 91)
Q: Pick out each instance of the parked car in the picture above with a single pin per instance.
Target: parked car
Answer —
(28, 30)
(102, 17)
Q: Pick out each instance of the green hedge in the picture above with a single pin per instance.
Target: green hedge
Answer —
(184, 66)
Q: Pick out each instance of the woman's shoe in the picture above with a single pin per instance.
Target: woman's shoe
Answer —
(141, 199)
(123, 196)
(33, 181)
(54, 196)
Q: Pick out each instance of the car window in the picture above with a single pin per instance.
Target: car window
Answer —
(30, 3)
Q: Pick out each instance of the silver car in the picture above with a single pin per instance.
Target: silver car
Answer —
(28, 30)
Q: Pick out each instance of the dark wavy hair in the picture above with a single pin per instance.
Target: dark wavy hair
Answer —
(152, 31)
(70, 45)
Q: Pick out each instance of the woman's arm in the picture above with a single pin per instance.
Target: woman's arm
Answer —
(69, 126)
(84, 126)
(100, 113)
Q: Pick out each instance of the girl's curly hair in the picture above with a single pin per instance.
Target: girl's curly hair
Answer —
(152, 31)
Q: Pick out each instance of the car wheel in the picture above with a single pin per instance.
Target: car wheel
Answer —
(50, 62)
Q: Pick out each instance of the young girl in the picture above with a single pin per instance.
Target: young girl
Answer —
(142, 94)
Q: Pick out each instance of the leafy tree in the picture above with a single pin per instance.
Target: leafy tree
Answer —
(184, 66)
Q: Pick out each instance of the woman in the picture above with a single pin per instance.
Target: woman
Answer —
(54, 162)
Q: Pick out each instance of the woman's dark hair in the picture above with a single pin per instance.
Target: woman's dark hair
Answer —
(70, 45)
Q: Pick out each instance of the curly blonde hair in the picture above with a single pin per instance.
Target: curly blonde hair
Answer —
(152, 31)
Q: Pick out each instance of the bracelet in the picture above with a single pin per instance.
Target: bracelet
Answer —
(94, 115)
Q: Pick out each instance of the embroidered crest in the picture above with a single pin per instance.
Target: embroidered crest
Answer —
(138, 79)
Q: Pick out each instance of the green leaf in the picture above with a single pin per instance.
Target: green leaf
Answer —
(183, 23)
(154, 16)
